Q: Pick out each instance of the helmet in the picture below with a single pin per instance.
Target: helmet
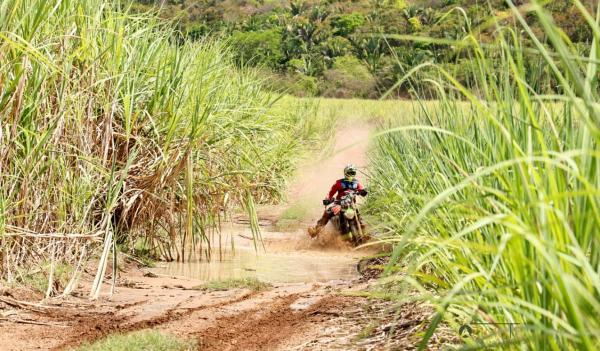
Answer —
(350, 171)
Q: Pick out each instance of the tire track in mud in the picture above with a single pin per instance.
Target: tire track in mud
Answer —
(268, 327)
(261, 326)
(94, 326)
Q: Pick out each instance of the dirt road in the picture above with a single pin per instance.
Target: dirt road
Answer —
(285, 317)
(308, 315)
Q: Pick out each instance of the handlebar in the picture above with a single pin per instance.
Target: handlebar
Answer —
(362, 192)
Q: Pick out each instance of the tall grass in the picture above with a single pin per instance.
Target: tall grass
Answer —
(114, 132)
(492, 196)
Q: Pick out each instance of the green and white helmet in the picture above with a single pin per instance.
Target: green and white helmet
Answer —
(350, 170)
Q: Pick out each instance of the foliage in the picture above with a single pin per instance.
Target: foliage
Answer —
(347, 24)
(348, 77)
(307, 36)
(294, 83)
(145, 340)
(258, 46)
(415, 24)
(491, 194)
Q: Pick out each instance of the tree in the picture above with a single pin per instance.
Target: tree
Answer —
(304, 32)
(260, 47)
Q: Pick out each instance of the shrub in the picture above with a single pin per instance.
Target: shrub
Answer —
(258, 48)
(296, 84)
(335, 47)
(348, 77)
(347, 23)
(415, 24)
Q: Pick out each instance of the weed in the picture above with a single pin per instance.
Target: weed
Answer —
(145, 340)
(228, 284)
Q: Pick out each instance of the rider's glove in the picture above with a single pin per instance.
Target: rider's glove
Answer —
(363, 192)
(327, 202)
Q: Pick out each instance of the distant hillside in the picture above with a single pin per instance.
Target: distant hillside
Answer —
(335, 47)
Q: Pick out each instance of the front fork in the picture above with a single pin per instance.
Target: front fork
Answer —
(358, 225)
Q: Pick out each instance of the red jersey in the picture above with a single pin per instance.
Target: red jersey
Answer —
(342, 187)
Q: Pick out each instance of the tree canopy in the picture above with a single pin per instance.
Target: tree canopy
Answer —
(300, 41)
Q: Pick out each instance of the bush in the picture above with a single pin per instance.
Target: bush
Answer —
(336, 46)
(260, 47)
(347, 23)
(296, 84)
(415, 24)
(348, 78)
(296, 66)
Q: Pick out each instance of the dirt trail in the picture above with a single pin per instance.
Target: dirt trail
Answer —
(313, 181)
(316, 178)
(288, 316)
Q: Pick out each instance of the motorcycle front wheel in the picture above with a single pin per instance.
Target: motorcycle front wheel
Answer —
(354, 230)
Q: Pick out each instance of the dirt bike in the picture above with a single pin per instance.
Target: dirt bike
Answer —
(346, 218)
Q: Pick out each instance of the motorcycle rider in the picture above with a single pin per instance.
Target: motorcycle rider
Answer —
(341, 187)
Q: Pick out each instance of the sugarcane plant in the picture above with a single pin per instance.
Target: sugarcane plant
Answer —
(117, 133)
(491, 196)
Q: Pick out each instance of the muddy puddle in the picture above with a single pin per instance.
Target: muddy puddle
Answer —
(282, 267)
